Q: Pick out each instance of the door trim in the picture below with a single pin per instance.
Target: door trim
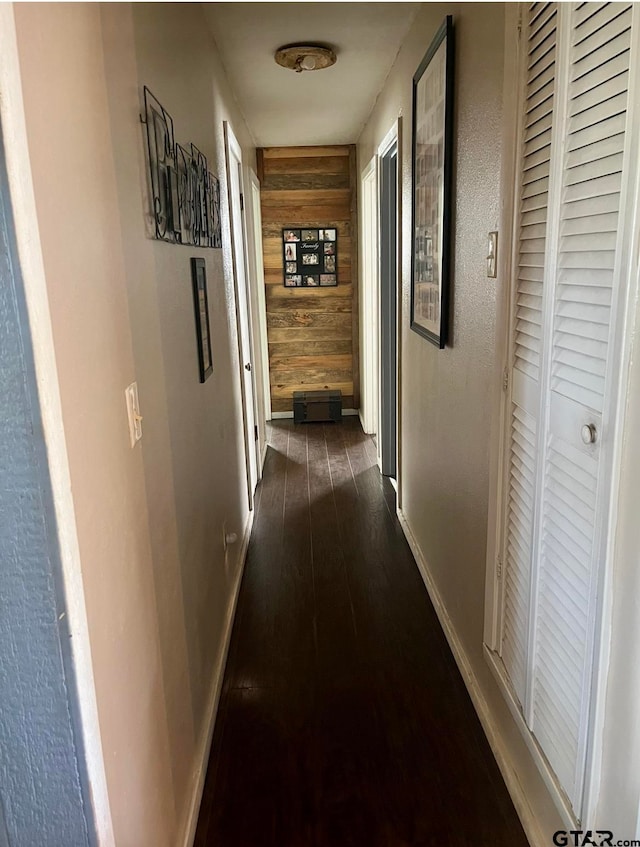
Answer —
(512, 97)
(31, 267)
(233, 147)
(369, 299)
(393, 137)
(261, 316)
(619, 366)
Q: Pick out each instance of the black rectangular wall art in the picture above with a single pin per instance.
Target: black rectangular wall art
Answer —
(432, 200)
(201, 309)
(310, 257)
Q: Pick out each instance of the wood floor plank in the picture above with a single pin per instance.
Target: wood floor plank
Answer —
(344, 721)
(336, 646)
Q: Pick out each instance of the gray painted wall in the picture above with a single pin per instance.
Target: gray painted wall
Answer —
(4, 836)
(41, 781)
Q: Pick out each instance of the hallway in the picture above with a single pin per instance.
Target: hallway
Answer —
(343, 718)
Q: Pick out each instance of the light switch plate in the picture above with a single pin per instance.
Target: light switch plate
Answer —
(133, 410)
(492, 255)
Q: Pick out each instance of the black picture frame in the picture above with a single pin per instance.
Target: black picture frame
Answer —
(431, 199)
(310, 256)
(201, 309)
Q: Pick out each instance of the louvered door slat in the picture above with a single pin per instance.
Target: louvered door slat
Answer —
(579, 311)
(537, 149)
(542, 86)
(586, 12)
(542, 95)
(606, 107)
(540, 105)
(538, 189)
(580, 242)
(532, 244)
(592, 206)
(543, 29)
(603, 166)
(611, 146)
(541, 13)
(535, 173)
(518, 549)
(558, 661)
(597, 95)
(614, 125)
(565, 593)
(591, 224)
(542, 55)
(593, 188)
(596, 76)
(580, 362)
(594, 56)
(554, 718)
(600, 37)
(531, 275)
(536, 154)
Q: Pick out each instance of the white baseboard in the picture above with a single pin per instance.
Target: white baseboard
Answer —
(281, 416)
(214, 699)
(530, 824)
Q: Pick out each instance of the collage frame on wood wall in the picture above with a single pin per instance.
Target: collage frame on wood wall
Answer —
(310, 256)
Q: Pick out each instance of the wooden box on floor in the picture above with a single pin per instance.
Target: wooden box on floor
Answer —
(317, 406)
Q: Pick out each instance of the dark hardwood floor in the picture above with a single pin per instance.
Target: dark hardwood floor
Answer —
(343, 720)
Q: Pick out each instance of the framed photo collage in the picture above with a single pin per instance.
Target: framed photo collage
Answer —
(310, 257)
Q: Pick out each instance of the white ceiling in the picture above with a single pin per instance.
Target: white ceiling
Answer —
(331, 106)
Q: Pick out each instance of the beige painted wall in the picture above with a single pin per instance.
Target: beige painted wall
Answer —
(149, 520)
(447, 406)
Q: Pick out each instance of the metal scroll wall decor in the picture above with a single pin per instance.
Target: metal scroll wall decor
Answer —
(185, 194)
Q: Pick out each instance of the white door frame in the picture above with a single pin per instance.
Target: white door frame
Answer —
(243, 305)
(261, 300)
(506, 260)
(21, 191)
(369, 299)
(393, 137)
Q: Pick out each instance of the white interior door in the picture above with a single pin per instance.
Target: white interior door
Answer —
(243, 308)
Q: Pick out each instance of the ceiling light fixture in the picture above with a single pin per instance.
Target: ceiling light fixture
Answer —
(305, 57)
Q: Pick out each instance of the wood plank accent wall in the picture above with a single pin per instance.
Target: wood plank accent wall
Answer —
(312, 332)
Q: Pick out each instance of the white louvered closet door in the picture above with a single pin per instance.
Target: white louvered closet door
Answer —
(573, 169)
(586, 279)
(539, 37)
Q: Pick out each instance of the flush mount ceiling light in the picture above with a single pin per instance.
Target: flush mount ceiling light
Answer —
(305, 57)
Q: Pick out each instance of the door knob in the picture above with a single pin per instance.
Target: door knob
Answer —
(247, 367)
(589, 433)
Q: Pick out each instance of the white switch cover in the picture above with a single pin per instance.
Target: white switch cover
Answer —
(492, 255)
(133, 409)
